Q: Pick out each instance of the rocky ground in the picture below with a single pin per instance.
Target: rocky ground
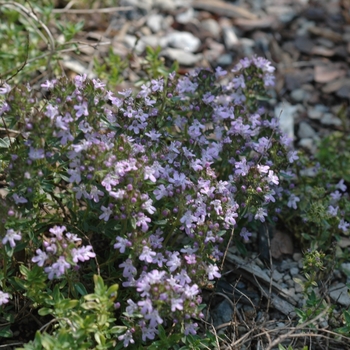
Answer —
(309, 43)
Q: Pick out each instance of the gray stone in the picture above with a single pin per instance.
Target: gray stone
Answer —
(183, 57)
(339, 293)
(297, 256)
(222, 313)
(277, 276)
(230, 37)
(299, 95)
(212, 27)
(183, 40)
(154, 22)
(308, 144)
(225, 60)
(152, 40)
(294, 271)
(286, 112)
(306, 131)
(330, 119)
(186, 16)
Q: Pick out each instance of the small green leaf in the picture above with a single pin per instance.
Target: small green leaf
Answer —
(45, 311)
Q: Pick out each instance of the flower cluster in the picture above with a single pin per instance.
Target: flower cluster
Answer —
(61, 252)
(166, 174)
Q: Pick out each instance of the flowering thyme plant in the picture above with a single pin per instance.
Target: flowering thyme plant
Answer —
(143, 189)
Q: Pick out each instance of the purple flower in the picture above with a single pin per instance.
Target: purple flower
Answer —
(36, 153)
(122, 244)
(292, 201)
(292, 156)
(18, 199)
(58, 231)
(82, 109)
(142, 221)
(190, 328)
(213, 272)
(245, 234)
(106, 213)
(132, 308)
(341, 185)
(148, 332)
(242, 167)
(263, 169)
(4, 298)
(129, 269)
(336, 196)
(146, 306)
(260, 214)
(126, 338)
(343, 225)
(83, 253)
(176, 304)
(5, 88)
(272, 178)
(147, 254)
(332, 211)
(154, 319)
(95, 193)
(58, 268)
(11, 236)
(40, 258)
(173, 261)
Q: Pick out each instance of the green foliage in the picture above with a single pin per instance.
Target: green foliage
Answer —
(111, 69)
(79, 324)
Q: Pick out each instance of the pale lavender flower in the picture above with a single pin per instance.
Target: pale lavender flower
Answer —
(147, 254)
(336, 196)
(146, 306)
(36, 153)
(4, 298)
(148, 206)
(122, 244)
(58, 268)
(341, 185)
(154, 319)
(126, 338)
(242, 167)
(106, 213)
(129, 269)
(58, 231)
(40, 258)
(272, 178)
(82, 109)
(148, 332)
(263, 169)
(173, 261)
(292, 201)
(213, 272)
(292, 156)
(176, 304)
(11, 236)
(190, 328)
(83, 253)
(72, 237)
(260, 214)
(5, 88)
(19, 199)
(95, 193)
(245, 234)
(343, 225)
(132, 308)
(332, 211)
(142, 221)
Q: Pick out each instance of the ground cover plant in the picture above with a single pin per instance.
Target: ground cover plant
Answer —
(120, 205)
